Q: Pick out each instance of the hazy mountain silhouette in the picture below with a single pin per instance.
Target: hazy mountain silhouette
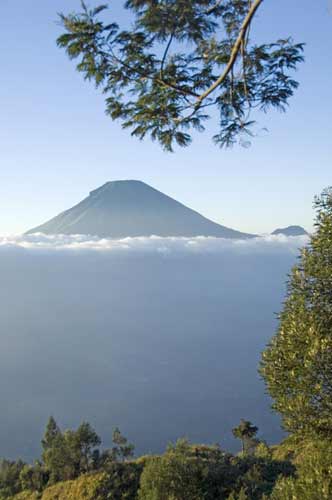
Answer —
(132, 208)
(291, 231)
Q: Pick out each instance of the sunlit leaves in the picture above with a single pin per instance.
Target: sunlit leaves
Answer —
(297, 364)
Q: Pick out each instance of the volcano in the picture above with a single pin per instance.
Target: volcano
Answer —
(131, 208)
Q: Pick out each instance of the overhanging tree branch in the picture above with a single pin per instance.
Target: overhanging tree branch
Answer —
(235, 51)
(151, 76)
(164, 97)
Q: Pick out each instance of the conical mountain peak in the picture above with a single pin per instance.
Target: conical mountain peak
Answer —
(131, 208)
(119, 185)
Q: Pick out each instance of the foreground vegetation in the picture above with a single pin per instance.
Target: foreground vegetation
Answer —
(73, 467)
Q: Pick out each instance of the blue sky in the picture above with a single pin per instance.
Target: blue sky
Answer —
(56, 144)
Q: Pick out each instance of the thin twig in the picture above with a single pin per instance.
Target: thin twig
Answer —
(179, 90)
(165, 55)
(244, 69)
(213, 8)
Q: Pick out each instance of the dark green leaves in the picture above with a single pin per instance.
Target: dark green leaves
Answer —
(160, 76)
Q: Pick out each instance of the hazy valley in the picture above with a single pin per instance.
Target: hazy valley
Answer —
(159, 336)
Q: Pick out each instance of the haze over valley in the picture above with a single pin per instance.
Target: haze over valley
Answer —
(160, 336)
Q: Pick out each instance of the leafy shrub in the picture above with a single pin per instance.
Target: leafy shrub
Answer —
(314, 476)
(88, 487)
(34, 477)
(187, 472)
(257, 476)
(174, 475)
(10, 483)
(27, 495)
(120, 482)
(124, 479)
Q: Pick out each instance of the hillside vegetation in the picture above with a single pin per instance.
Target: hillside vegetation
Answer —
(295, 469)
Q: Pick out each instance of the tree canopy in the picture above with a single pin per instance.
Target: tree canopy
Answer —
(70, 470)
(297, 364)
(68, 454)
(313, 480)
(178, 61)
(175, 475)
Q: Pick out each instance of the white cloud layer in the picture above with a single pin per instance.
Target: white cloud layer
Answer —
(154, 244)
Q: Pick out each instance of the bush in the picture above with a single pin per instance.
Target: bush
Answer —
(314, 476)
(27, 495)
(175, 475)
(124, 479)
(187, 472)
(34, 477)
(10, 483)
(88, 487)
(120, 482)
(257, 476)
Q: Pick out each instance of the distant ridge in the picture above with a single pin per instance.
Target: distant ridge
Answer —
(291, 231)
(131, 208)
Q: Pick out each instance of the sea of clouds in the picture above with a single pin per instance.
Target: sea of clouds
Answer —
(159, 336)
(268, 243)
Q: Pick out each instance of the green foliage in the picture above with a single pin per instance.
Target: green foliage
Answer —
(34, 477)
(246, 432)
(178, 60)
(292, 448)
(52, 433)
(297, 364)
(173, 476)
(184, 472)
(71, 453)
(119, 484)
(314, 476)
(10, 483)
(189, 472)
(123, 480)
(27, 495)
(241, 496)
(122, 449)
(88, 487)
(262, 450)
(257, 476)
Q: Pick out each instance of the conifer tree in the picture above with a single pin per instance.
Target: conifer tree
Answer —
(52, 433)
(68, 454)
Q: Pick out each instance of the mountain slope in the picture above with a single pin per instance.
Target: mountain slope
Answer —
(131, 208)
